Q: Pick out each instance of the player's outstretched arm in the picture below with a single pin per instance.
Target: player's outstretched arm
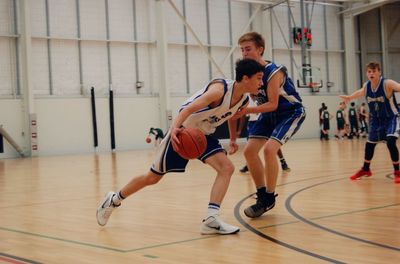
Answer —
(356, 94)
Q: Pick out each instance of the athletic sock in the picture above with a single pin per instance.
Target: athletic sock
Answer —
(270, 195)
(396, 166)
(262, 193)
(213, 209)
(366, 166)
(117, 198)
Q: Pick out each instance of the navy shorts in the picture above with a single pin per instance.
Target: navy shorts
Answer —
(382, 128)
(167, 160)
(279, 126)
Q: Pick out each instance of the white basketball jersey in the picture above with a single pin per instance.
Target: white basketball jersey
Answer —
(208, 119)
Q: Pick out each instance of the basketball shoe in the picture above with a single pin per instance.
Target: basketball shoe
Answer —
(214, 225)
(261, 206)
(105, 209)
(284, 166)
(360, 174)
(244, 169)
(397, 176)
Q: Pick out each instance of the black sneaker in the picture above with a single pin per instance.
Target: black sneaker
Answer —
(285, 167)
(244, 169)
(260, 207)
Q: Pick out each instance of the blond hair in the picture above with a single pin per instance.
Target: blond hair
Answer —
(254, 37)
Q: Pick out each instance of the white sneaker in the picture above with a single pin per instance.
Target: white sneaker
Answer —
(105, 209)
(214, 225)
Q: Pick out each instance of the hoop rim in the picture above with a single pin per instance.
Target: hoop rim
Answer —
(314, 85)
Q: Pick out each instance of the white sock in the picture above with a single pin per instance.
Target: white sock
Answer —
(213, 209)
(117, 198)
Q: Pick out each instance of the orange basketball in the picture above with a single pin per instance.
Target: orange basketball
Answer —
(148, 140)
(193, 143)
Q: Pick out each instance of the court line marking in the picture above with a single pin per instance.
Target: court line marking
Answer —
(128, 250)
(60, 239)
(156, 245)
(16, 260)
(274, 240)
(251, 229)
(303, 219)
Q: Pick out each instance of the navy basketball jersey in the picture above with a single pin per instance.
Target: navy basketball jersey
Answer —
(208, 119)
(288, 97)
(379, 105)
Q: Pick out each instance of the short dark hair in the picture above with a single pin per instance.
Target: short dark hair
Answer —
(352, 104)
(247, 67)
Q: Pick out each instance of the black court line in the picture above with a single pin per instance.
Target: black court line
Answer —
(296, 215)
(151, 246)
(23, 260)
(279, 242)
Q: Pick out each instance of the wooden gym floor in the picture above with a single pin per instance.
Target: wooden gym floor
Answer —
(48, 207)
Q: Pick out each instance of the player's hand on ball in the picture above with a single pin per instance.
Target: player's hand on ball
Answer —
(174, 138)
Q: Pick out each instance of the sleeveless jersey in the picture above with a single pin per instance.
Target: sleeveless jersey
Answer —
(352, 114)
(339, 116)
(253, 116)
(288, 97)
(379, 105)
(362, 114)
(208, 119)
(325, 116)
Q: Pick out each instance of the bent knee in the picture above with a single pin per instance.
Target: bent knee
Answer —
(227, 169)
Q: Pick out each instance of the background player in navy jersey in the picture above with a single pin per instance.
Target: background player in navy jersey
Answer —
(282, 114)
(207, 109)
(384, 117)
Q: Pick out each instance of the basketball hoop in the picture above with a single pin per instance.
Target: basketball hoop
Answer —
(314, 86)
(309, 77)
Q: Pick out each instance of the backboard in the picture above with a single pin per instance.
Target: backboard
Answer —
(309, 77)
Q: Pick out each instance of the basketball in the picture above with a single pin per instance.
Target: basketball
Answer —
(148, 139)
(193, 143)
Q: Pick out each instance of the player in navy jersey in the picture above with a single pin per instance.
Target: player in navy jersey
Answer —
(206, 110)
(282, 114)
(384, 117)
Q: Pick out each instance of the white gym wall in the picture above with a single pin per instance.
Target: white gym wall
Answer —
(78, 44)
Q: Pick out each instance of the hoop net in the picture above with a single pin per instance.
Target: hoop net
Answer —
(314, 85)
